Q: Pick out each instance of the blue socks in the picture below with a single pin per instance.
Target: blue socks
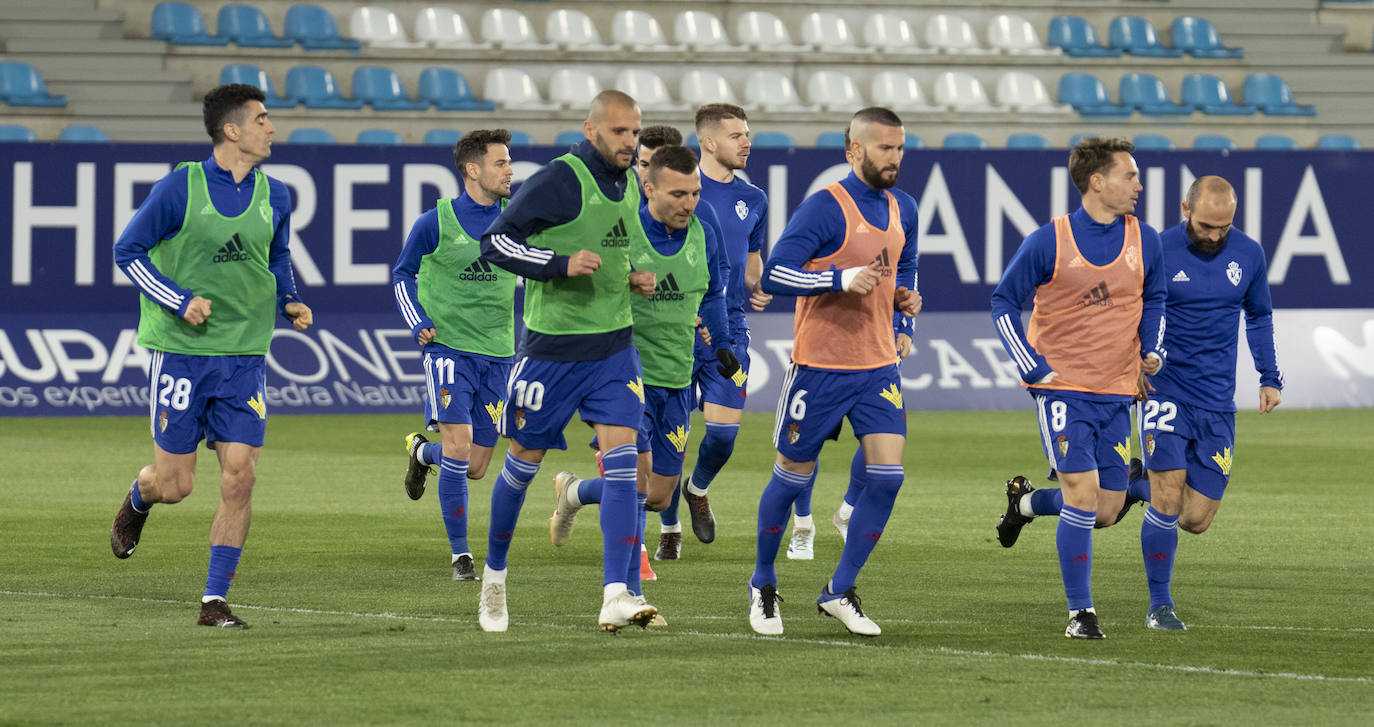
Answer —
(431, 453)
(668, 515)
(136, 499)
(1048, 501)
(803, 502)
(1158, 545)
(589, 490)
(507, 497)
(1139, 489)
(774, 508)
(632, 574)
(453, 500)
(867, 522)
(1074, 540)
(858, 477)
(224, 560)
(715, 450)
(620, 517)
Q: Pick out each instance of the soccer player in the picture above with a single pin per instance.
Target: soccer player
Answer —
(567, 233)
(211, 233)
(741, 209)
(684, 255)
(849, 254)
(462, 312)
(1096, 274)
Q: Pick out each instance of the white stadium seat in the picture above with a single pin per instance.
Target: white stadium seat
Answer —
(887, 33)
(444, 28)
(512, 88)
(379, 27)
(647, 89)
(952, 34)
(506, 28)
(772, 91)
(1020, 91)
(833, 91)
(574, 30)
(1015, 35)
(573, 88)
(638, 31)
(703, 87)
(701, 31)
(828, 32)
(764, 31)
(899, 91)
(959, 91)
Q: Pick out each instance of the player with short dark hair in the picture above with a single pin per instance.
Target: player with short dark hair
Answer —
(216, 233)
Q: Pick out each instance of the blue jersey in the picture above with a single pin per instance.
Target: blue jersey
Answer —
(741, 211)
(1206, 295)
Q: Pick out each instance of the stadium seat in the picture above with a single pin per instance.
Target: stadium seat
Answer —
(508, 28)
(1208, 94)
(952, 34)
(1025, 93)
(828, 33)
(181, 24)
(1076, 37)
(1198, 38)
(1275, 142)
(1027, 141)
(699, 30)
(911, 141)
(1152, 142)
(381, 89)
(1077, 139)
(1014, 35)
(1147, 94)
(1088, 96)
(314, 28)
(639, 32)
(14, 132)
(648, 89)
(573, 30)
(573, 88)
(21, 85)
(512, 88)
(702, 87)
(833, 91)
(379, 28)
(520, 138)
(891, 34)
(772, 140)
(1272, 95)
(310, 136)
(442, 137)
(254, 76)
(1137, 36)
(1337, 142)
(830, 140)
(316, 88)
(1214, 142)
(247, 27)
(449, 90)
(764, 31)
(569, 138)
(962, 140)
(899, 91)
(379, 137)
(85, 134)
(772, 91)
(960, 91)
(445, 28)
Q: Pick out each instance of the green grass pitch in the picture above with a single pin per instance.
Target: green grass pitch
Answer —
(354, 620)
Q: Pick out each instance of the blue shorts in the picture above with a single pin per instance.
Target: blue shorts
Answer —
(465, 389)
(215, 398)
(814, 403)
(1176, 436)
(664, 428)
(1081, 435)
(711, 387)
(541, 397)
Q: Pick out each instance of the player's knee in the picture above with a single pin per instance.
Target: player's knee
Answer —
(173, 486)
(476, 471)
(658, 503)
(458, 450)
(1196, 526)
(237, 483)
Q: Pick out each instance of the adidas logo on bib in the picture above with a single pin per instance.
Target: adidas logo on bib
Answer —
(616, 236)
(232, 251)
(667, 290)
(480, 270)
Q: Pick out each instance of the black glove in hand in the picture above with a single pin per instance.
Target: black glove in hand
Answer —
(729, 365)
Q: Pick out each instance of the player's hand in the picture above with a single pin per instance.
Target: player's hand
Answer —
(1269, 398)
(642, 282)
(1151, 364)
(703, 333)
(903, 345)
(860, 280)
(907, 301)
(759, 299)
(424, 336)
(300, 315)
(1143, 387)
(197, 310)
(583, 262)
(728, 365)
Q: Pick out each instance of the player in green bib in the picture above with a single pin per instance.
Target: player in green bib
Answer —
(208, 252)
(461, 310)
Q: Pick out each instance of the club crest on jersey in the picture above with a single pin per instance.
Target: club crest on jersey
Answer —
(741, 209)
(162, 421)
(1132, 258)
(1233, 272)
(1150, 445)
(793, 433)
(444, 398)
(1063, 444)
(678, 438)
(519, 418)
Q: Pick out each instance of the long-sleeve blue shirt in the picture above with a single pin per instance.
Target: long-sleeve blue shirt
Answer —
(161, 214)
(712, 309)
(741, 210)
(817, 229)
(1206, 295)
(1033, 266)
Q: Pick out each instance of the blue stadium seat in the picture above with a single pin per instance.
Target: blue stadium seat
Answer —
(20, 85)
(1077, 139)
(692, 140)
(1337, 142)
(1200, 39)
(773, 140)
(181, 24)
(14, 132)
(310, 136)
(1147, 93)
(912, 141)
(314, 28)
(83, 134)
(1152, 142)
(246, 26)
(1077, 38)
(254, 76)
(449, 90)
(1214, 142)
(1027, 141)
(1209, 95)
(963, 140)
(379, 137)
(520, 138)
(830, 140)
(381, 89)
(1272, 95)
(568, 138)
(442, 137)
(316, 88)
(1088, 96)
(1135, 35)
(1275, 142)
